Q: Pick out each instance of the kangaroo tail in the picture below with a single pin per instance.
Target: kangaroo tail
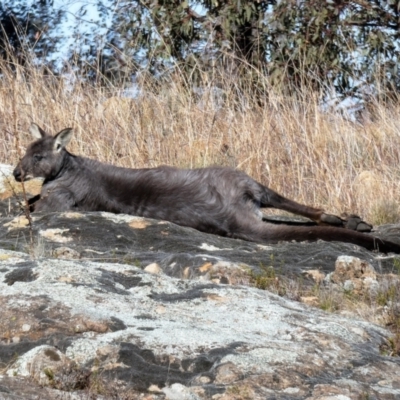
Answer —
(267, 233)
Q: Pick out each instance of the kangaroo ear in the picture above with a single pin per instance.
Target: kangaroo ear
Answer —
(62, 139)
(37, 132)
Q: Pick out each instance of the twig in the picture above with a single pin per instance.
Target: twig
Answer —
(17, 145)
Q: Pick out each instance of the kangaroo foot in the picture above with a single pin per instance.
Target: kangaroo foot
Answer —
(353, 222)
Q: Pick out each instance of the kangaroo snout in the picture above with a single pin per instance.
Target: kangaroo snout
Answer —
(20, 175)
(17, 173)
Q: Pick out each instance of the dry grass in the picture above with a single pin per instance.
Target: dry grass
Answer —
(314, 157)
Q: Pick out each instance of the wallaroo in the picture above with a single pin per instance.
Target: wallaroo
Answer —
(216, 200)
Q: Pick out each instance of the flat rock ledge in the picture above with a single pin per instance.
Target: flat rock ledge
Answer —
(73, 326)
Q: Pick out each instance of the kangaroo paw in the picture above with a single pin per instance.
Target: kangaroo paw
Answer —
(353, 222)
(330, 219)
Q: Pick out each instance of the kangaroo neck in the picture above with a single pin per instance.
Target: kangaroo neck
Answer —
(65, 167)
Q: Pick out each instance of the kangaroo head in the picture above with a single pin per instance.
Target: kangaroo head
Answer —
(45, 156)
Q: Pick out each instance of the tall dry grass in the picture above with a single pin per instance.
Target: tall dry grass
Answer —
(290, 144)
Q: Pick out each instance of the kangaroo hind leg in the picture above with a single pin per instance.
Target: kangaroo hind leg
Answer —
(272, 199)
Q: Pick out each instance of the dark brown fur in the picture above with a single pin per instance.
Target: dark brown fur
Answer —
(216, 200)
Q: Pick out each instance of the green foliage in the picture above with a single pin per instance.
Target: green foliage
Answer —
(296, 43)
(396, 265)
(328, 304)
(351, 46)
(49, 373)
(267, 279)
(386, 296)
(392, 346)
(23, 29)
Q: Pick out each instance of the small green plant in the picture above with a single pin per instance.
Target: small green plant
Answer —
(267, 279)
(385, 297)
(49, 373)
(239, 392)
(264, 279)
(332, 300)
(396, 265)
(392, 346)
(328, 304)
(131, 261)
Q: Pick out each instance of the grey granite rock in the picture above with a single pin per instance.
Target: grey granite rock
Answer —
(106, 306)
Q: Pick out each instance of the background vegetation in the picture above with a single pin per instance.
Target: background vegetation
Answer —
(351, 47)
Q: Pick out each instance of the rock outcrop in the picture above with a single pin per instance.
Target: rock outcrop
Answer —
(97, 305)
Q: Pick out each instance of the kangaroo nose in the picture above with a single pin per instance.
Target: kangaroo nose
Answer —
(17, 174)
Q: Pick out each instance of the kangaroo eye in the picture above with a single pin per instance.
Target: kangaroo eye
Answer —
(37, 157)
